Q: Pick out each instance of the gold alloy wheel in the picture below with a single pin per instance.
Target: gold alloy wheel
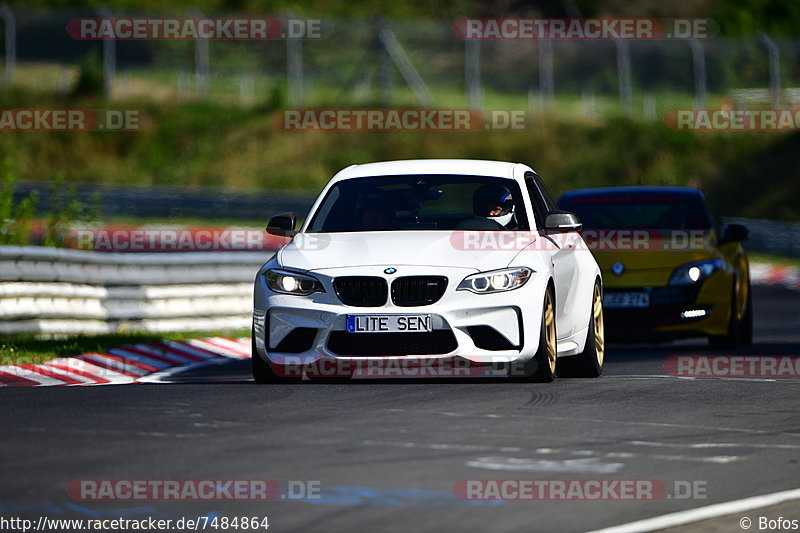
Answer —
(550, 331)
(597, 323)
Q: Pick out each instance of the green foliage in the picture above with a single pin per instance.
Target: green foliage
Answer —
(409, 8)
(213, 144)
(747, 17)
(734, 17)
(90, 76)
(15, 218)
(64, 208)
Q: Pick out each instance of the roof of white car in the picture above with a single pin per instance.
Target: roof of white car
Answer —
(470, 167)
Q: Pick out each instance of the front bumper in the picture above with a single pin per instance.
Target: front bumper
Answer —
(673, 311)
(481, 328)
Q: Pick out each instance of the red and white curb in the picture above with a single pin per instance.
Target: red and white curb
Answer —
(767, 274)
(136, 363)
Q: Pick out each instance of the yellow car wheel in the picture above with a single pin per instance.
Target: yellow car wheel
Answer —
(736, 327)
(746, 338)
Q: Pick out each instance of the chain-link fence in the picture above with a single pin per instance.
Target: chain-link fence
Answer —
(405, 62)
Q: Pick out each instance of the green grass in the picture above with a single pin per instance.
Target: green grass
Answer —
(34, 349)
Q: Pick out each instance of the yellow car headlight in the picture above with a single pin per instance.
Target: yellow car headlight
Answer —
(695, 272)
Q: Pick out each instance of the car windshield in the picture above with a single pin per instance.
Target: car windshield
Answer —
(638, 210)
(421, 202)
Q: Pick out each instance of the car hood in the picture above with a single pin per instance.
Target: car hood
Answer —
(649, 260)
(651, 265)
(316, 251)
(655, 250)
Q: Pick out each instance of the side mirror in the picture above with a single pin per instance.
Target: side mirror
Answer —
(734, 233)
(562, 221)
(282, 225)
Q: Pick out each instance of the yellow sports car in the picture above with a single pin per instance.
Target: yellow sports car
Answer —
(671, 268)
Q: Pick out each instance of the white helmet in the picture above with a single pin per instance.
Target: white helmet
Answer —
(490, 198)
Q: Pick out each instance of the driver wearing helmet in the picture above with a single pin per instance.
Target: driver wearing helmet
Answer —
(493, 208)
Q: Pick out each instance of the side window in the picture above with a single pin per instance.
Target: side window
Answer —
(551, 204)
(537, 200)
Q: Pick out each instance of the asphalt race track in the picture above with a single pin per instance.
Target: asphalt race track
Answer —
(387, 453)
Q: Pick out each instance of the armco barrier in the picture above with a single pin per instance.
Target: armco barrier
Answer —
(165, 201)
(52, 290)
(771, 236)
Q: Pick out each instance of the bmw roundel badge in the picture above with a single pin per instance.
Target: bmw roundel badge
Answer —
(389, 270)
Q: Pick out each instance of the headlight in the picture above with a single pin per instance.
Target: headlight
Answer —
(696, 272)
(286, 282)
(506, 279)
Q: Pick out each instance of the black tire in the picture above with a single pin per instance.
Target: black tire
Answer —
(263, 373)
(746, 327)
(731, 340)
(588, 363)
(541, 368)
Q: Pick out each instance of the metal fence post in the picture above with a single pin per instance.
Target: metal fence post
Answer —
(624, 75)
(385, 65)
(774, 68)
(649, 106)
(294, 68)
(10, 28)
(588, 104)
(546, 77)
(246, 88)
(183, 85)
(109, 58)
(63, 81)
(699, 69)
(472, 72)
(202, 67)
(403, 63)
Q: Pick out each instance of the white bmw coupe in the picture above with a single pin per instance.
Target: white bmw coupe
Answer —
(430, 260)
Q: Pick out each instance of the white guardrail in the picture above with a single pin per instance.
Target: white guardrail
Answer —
(51, 290)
